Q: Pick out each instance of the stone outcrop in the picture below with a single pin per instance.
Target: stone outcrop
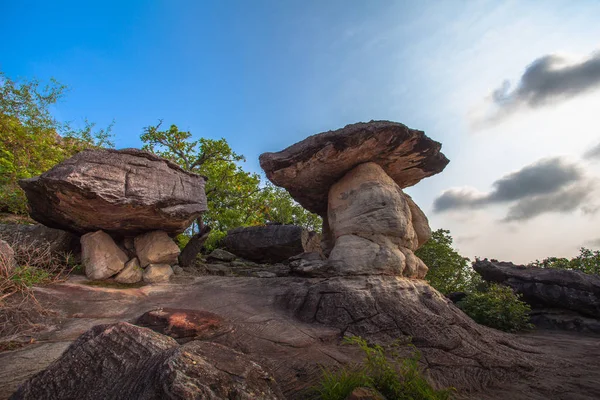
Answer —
(123, 361)
(309, 168)
(156, 247)
(125, 192)
(561, 299)
(101, 256)
(353, 178)
(7, 258)
(58, 241)
(269, 243)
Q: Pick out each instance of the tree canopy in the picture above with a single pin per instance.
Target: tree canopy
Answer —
(32, 140)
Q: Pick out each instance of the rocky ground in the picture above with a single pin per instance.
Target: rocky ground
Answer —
(562, 366)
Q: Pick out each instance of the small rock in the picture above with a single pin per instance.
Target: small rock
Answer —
(7, 257)
(218, 269)
(177, 270)
(364, 393)
(101, 256)
(156, 273)
(221, 255)
(156, 247)
(132, 273)
(264, 274)
(182, 323)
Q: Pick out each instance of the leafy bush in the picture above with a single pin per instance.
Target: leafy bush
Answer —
(394, 377)
(588, 261)
(497, 307)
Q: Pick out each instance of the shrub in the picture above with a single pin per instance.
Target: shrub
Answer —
(394, 377)
(497, 307)
(588, 261)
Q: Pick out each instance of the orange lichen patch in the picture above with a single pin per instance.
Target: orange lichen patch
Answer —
(182, 323)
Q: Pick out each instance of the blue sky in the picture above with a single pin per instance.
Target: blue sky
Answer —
(266, 74)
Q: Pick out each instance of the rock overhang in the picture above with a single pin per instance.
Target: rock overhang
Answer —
(310, 167)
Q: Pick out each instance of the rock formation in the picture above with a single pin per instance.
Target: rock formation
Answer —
(124, 192)
(353, 178)
(58, 241)
(123, 361)
(270, 243)
(7, 258)
(560, 298)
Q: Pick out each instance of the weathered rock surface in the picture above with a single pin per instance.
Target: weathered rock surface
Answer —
(370, 220)
(156, 247)
(123, 361)
(132, 273)
(101, 256)
(546, 287)
(57, 240)
(309, 168)
(157, 273)
(119, 191)
(7, 257)
(269, 243)
(181, 323)
(220, 255)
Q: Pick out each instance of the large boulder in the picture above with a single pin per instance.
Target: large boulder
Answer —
(119, 191)
(157, 273)
(101, 256)
(546, 287)
(269, 243)
(123, 361)
(156, 247)
(309, 168)
(131, 273)
(36, 236)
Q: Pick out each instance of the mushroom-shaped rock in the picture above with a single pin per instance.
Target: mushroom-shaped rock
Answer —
(353, 178)
(309, 168)
(122, 192)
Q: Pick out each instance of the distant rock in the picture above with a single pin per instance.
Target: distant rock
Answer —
(220, 255)
(269, 243)
(101, 256)
(156, 247)
(122, 362)
(124, 192)
(157, 273)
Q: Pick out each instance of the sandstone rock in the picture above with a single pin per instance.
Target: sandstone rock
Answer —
(365, 393)
(156, 247)
(132, 273)
(101, 256)
(123, 361)
(181, 323)
(126, 192)
(269, 243)
(157, 273)
(371, 222)
(220, 255)
(541, 287)
(58, 241)
(7, 258)
(309, 168)
(420, 223)
(177, 270)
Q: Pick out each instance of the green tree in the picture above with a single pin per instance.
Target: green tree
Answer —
(448, 271)
(31, 139)
(281, 208)
(588, 261)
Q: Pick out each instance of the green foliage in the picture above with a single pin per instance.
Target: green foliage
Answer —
(234, 196)
(28, 276)
(394, 377)
(448, 271)
(497, 307)
(588, 261)
(32, 140)
(182, 240)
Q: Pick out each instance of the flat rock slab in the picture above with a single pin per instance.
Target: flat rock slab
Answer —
(181, 323)
(309, 168)
(278, 338)
(118, 191)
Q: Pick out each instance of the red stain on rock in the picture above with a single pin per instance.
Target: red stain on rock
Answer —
(182, 323)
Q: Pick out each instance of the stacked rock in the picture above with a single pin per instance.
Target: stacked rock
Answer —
(353, 178)
(129, 194)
